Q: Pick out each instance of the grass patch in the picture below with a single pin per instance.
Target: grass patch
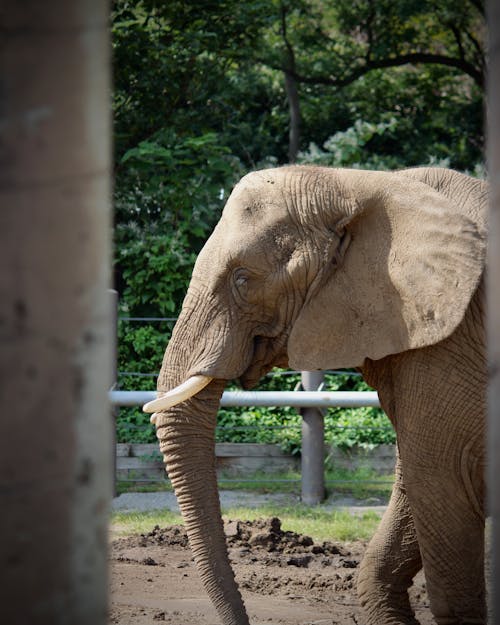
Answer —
(261, 482)
(128, 523)
(363, 483)
(317, 522)
(123, 486)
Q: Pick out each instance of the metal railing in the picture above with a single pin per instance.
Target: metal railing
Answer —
(310, 403)
(295, 399)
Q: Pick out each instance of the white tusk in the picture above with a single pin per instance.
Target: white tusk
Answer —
(178, 394)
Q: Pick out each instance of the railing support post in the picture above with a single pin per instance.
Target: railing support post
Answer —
(313, 444)
(115, 410)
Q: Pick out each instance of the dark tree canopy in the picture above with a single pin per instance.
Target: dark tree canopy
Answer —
(228, 67)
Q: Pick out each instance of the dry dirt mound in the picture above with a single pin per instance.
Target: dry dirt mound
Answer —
(284, 575)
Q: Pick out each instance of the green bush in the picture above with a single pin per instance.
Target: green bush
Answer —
(351, 147)
(344, 427)
(169, 195)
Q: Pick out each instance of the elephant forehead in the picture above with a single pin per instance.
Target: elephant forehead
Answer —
(261, 249)
(272, 233)
(253, 200)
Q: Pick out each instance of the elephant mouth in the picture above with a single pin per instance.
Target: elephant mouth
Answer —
(267, 353)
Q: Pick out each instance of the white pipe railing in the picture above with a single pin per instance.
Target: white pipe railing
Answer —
(296, 399)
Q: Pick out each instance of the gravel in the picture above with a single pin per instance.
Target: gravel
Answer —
(142, 502)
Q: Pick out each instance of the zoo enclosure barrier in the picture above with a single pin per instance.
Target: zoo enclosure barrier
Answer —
(310, 402)
(309, 398)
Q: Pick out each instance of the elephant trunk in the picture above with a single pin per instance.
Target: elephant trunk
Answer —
(187, 440)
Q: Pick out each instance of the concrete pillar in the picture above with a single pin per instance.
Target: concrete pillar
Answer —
(493, 133)
(313, 444)
(55, 435)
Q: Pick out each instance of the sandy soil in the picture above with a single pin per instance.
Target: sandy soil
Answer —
(285, 578)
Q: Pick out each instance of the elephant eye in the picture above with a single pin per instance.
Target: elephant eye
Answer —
(241, 281)
(246, 286)
(240, 277)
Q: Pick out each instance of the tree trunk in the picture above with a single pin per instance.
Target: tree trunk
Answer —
(55, 465)
(292, 95)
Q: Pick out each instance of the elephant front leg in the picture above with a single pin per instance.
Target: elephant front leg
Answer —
(391, 562)
(451, 535)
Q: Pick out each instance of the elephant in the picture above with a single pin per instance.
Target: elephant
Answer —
(320, 268)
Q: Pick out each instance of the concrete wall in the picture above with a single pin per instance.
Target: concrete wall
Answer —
(381, 459)
(144, 462)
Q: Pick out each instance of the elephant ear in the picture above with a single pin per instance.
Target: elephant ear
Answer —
(413, 263)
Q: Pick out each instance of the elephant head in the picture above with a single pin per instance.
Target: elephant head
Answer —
(313, 268)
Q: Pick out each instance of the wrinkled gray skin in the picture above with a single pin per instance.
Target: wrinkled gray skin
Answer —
(318, 268)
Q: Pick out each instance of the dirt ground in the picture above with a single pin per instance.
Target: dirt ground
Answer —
(285, 578)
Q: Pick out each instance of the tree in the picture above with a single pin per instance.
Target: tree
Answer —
(335, 45)
(173, 63)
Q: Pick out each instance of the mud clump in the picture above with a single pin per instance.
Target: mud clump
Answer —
(261, 543)
(310, 579)
(261, 540)
(267, 535)
(175, 535)
(264, 544)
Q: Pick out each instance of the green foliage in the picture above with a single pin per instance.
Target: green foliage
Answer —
(203, 67)
(392, 128)
(344, 428)
(140, 351)
(363, 427)
(172, 198)
(438, 115)
(167, 204)
(176, 182)
(349, 148)
(133, 426)
(190, 67)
